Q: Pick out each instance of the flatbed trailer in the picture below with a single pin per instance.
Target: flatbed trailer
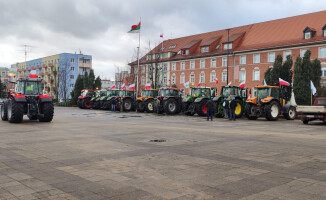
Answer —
(315, 112)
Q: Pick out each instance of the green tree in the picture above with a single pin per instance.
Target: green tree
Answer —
(91, 79)
(276, 71)
(301, 80)
(98, 83)
(286, 74)
(79, 86)
(85, 80)
(268, 76)
(316, 74)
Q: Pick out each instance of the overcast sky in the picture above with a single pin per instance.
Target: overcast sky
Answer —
(99, 27)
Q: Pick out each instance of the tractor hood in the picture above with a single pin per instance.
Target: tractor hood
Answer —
(267, 99)
(252, 100)
(187, 99)
(198, 99)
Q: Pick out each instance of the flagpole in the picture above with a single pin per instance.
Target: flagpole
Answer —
(137, 89)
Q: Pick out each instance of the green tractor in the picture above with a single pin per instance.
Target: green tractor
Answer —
(103, 99)
(240, 95)
(95, 101)
(110, 97)
(196, 101)
(84, 100)
(168, 101)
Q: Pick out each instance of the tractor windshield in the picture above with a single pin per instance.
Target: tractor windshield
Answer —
(102, 93)
(29, 87)
(200, 92)
(124, 93)
(151, 93)
(167, 92)
(262, 93)
(227, 91)
(115, 92)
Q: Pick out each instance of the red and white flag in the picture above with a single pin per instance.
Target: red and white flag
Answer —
(198, 84)
(161, 35)
(216, 80)
(132, 87)
(112, 87)
(242, 84)
(283, 82)
(32, 74)
(123, 87)
(230, 83)
(148, 86)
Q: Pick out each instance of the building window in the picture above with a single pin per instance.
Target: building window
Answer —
(72, 85)
(213, 62)
(192, 77)
(165, 80)
(192, 64)
(322, 52)
(256, 58)
(302, 52)
(183, 65)
(227, 46)
(324, 33)
(286, 53)
(182, 78)
(205, 49)
(174, 79)
(72, 77)
(242, 75)
(72, 68)
(242, 60)
(271, 57)
(224, 76)
(174, 66)
(165, 67)
(143, 80)
(213, 76)
(202, 63)
(323, 72)
(202, 77)
(142, 69)
(224, 61)
(307, 35)
(72, 60)
(256, 74)
(187, 51)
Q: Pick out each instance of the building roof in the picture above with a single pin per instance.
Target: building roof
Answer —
(269, 34)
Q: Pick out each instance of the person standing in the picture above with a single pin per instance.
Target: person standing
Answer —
(113, 105)
(210, 109)
(226, 108)
(233, 105)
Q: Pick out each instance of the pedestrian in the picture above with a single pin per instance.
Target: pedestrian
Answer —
(210, 109)
(113, 105)
(226, 108)
(233, 105)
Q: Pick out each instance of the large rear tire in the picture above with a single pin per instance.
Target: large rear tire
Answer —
(171, 107)
(249, 112)
(15, 112)
(86, 103)
(291, 114)
(47, 110)
(4, 111)
(239, 109)
(201, 108)
(127, 105)
(140, 106)
(272, 111)
(149, 105)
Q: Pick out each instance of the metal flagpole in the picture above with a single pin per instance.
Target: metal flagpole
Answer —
(138, 57)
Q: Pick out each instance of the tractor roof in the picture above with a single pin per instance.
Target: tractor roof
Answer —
(169, 88)
(151, 90)
(30, 79)
(88, 90)
(267, 86)
(228, 86)
(201, 87)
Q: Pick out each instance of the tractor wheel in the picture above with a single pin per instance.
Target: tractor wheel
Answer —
(140, 106)
(127, 105)
(86, 103)
(4, 111)
(15, 112)
(33, 117)
(249, 113)
(96, 105)
(219, 112)
(202, 108)
(291, 114)
(239, 109)
(272, 111)
(149, 105)
(79, 104)
(171, 106)
(47, 110)
(185, 106)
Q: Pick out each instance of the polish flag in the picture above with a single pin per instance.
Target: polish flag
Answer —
(198, 84)
(230, 83)
(216, 80)
(161, 35)
(32, 74)
(132, 86)
(283, 82)
(242, 84)
(148, 86)
(112, 87)
(123, 87)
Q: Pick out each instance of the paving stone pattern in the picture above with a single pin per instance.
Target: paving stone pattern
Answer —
(87, 154)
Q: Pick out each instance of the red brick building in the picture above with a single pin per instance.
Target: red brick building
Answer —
(248, 51)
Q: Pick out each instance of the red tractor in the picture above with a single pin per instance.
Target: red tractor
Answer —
(84, 100)
(27, 99)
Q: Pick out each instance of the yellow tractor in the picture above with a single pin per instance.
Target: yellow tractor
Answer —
(146, 101)
(269, 102)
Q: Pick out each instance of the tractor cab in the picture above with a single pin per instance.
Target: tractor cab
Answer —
(84, 100)
(85, 93)
(127, 93)
(200, 92)
(265, 94)
(149, 93)
(168, 92)
(29, 87)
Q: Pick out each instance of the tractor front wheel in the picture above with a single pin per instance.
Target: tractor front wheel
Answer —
(86, 103)
(171, 107)
(4, 111)
(149, 105)
(46, 110)
(15, 112)
(249, 112)
(202, 108)
(140, 106)
(239, 109)
(272, 111)
(127, 105)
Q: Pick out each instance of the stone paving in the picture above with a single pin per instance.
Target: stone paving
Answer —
(87, 154)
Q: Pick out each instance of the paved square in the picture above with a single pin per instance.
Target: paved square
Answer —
(88, 154)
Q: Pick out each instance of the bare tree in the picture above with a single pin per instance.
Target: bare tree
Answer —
(64, 78)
